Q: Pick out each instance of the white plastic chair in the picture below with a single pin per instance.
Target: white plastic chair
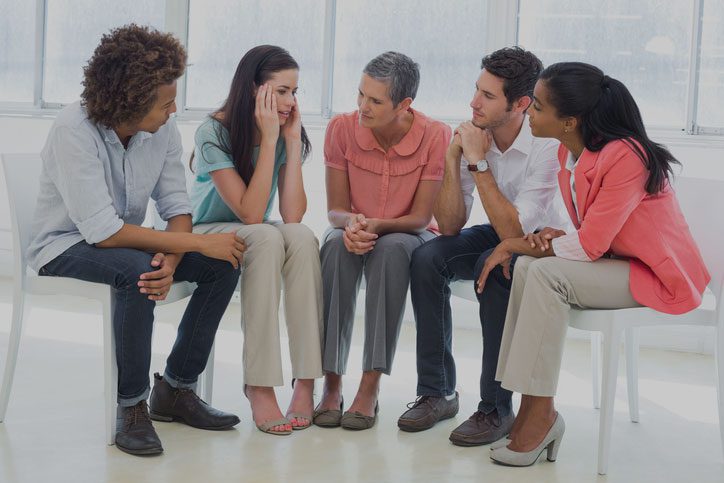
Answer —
(22, 173)
(697, 197)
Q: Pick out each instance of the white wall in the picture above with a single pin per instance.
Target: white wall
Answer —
(701, 157)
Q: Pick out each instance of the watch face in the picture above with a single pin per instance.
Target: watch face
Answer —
(482, 165)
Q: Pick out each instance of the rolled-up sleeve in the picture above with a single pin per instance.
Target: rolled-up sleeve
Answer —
(78, 174)
(569, 247)
(536, 196)
(170, 193)
(467, 185)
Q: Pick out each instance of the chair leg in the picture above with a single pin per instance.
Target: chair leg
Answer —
(110, 370)
(11, 359)
(719, 354)
(596, 368)
(208, 381)
(611, 346)
(632, 372)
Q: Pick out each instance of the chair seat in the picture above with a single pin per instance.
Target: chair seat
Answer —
(591, 319)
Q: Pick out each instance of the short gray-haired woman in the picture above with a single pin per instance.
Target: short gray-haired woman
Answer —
(384, 169)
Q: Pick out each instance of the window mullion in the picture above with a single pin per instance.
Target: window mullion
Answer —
(177, 23)
(39, 67)
(502, 24)
(330, 14)
(694, 69)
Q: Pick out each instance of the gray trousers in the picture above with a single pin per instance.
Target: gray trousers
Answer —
(387, 273)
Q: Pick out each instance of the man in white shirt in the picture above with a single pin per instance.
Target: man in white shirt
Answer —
(515, 176)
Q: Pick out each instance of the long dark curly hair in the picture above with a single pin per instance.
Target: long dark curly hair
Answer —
(122, 77)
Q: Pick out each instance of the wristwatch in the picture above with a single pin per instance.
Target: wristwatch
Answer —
(480, 166)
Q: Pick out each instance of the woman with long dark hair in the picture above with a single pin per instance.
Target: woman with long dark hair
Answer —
(246, 151)
(631, 246)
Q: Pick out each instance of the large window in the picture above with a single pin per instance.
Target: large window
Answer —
(645, 44)
(220, 32)
(447, 39)
(73, 30)
(17, 51)
(670, 53)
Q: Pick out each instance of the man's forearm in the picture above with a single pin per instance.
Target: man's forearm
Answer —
(180, 224)
(148, 239)
(501, 212)
(449, 208)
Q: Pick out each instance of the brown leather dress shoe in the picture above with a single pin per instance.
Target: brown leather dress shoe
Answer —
(134, 431)
(482, 428)
(171, 404)
(426, 411)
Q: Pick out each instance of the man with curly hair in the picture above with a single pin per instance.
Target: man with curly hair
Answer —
(104, 158)
(515, 177)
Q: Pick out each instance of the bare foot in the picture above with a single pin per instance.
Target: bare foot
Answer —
(530, 434)
(332, 392)
(302, 403)
(366, 398)
(264, 406)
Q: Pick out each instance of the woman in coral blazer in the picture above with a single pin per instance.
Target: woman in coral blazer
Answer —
(631, 247)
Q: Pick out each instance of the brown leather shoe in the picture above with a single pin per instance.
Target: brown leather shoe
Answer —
(134, 431)
(171, 404)
(425, 411)
(482, 428)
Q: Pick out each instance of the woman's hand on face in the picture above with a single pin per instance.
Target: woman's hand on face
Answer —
(265, 113)
(292, 129)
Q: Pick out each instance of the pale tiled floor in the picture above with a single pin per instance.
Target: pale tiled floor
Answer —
(54, 426)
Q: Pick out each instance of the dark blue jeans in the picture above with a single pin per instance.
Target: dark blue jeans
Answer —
(434, 265)
(133, 312)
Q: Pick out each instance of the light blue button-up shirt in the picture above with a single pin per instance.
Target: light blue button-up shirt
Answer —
(91, 185)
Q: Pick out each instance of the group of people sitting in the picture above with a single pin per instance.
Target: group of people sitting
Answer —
(580, 210)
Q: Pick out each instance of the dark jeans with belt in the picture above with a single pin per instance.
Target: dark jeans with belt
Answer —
(434, 265)
(133, 311)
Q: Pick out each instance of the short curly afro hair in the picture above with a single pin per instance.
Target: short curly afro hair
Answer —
(121, 79)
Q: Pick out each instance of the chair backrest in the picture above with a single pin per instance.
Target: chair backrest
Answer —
(700, 201)
(22, 177)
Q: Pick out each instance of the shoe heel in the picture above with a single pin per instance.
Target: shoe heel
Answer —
(160, 417)
(553, 449)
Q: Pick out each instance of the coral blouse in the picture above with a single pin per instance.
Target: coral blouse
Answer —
(382, 184)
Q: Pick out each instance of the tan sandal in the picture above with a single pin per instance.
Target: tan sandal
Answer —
(298, 416)
(267, 427)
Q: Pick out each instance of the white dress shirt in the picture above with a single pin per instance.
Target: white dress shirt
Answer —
(526, 174)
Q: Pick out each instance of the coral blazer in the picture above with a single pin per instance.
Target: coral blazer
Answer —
(619, 217)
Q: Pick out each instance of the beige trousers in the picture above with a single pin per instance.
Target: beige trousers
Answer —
(541, 296)
(278, 253)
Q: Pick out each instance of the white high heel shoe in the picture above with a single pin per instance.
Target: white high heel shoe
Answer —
(551, 442)
(500, 443)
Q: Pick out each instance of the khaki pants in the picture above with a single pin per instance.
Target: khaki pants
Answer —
(538, 312)
(278, 252)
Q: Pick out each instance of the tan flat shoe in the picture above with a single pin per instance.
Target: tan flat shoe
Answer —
(357, 421)
(328, 418)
